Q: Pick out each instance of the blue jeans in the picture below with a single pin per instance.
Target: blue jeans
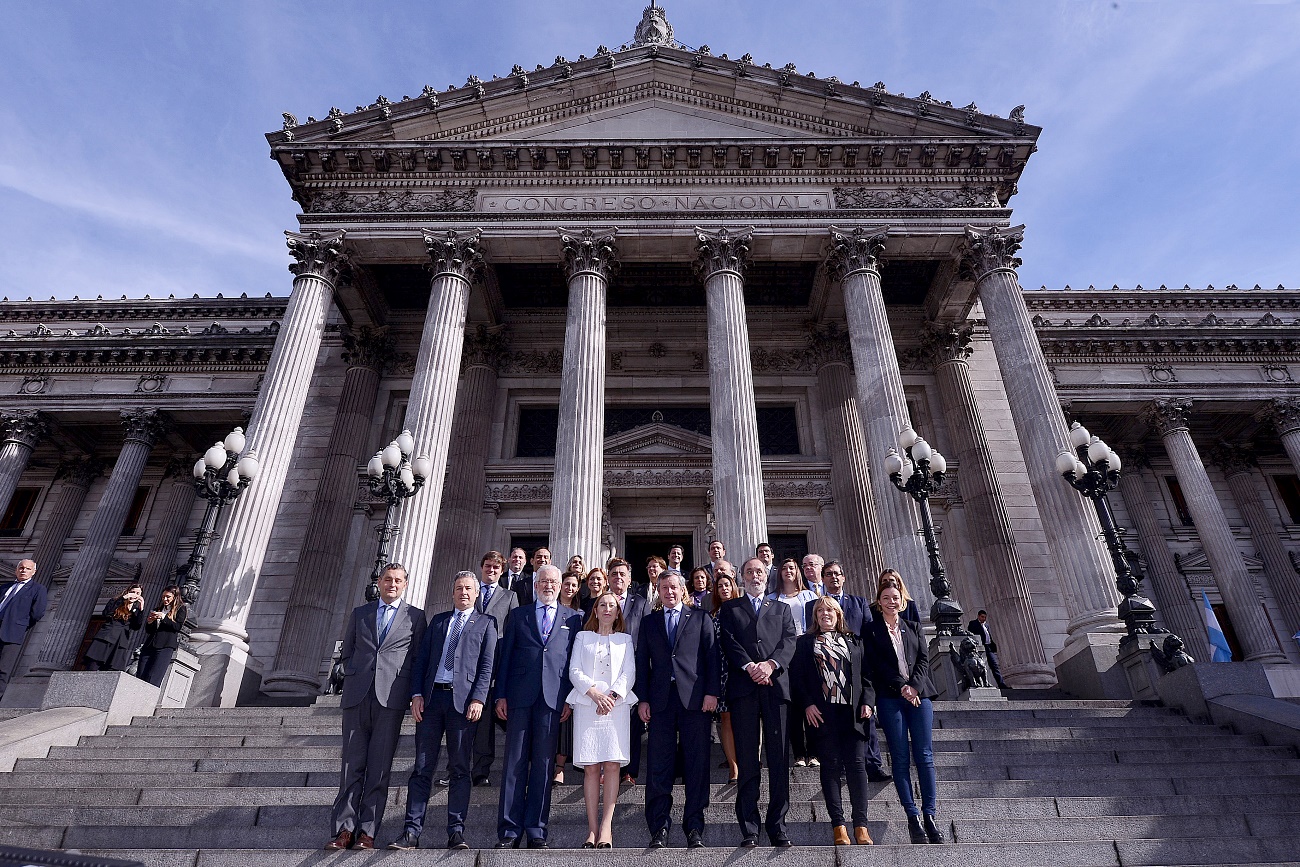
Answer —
(902, 723)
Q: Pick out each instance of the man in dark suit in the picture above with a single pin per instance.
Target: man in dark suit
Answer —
(758, 640)
(22, 604)
(380, 643)
(857, 614)
(453, 672)
(497, 599)
(532, 685)
(517, 577)
(717, 553)
(679, 679)
(634, 608)
(979, 627)
(764, 552)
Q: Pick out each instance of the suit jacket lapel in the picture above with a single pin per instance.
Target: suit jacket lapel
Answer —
(369, 613)
(681, 624)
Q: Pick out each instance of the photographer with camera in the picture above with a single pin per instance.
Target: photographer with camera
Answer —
(111, 648)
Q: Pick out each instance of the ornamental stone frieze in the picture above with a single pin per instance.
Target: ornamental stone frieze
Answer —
(589, 251)
(827, 344)
(458, 253)
(990, 249)
(856, 250)
(722, 250)
(317, 253)
(25, 426)
(446, 201)
(1167, 416)
(916, 197)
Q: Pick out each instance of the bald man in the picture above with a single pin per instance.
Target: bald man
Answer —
(22, 605)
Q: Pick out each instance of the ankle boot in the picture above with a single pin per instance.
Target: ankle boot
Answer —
(932, 832)
(915, 831)
(841, 835)
(862, 836)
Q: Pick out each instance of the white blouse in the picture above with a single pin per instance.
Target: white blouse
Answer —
(896, 639)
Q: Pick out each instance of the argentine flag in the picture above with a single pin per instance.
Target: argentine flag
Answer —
(1218, 643)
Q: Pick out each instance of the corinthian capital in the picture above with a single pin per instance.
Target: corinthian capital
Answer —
(589, 251)
(81, 471)
(1284, 413)
(722, 251)
(459, 253)
(144, 425)
(990, 249)
(317, 253)
(368, 347)
(25, 426)
(1232, 459)
(828, 344)
(941, 342)
(485, 347)
(858, 250)
(1167, 416)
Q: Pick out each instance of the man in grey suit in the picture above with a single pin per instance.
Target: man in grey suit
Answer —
(495, 598)
(380, 643)
(450, 686)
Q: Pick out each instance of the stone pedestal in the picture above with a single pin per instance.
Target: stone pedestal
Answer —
(117, 693)
(176, 686)
(947, 678)
(1141, 668)
(1088, 667)
(22, 431)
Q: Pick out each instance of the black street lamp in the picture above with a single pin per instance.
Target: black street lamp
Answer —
(220, 476)
(919, 475)
(393, 477)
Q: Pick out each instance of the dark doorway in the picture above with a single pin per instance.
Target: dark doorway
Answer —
(641, 548)
(1225, 623)
(788, 545)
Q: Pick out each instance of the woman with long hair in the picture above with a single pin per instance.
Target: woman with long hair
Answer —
(570, 584)
(724, 589)
(595, 585)
(111, 648)
(602, 670)
(163, 626)
(790, 589)
(891, 578)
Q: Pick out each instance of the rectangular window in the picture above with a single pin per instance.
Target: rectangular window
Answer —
(778, 430)
(1288, 488)
(132, 524)
(1180, 502)
(20, 510)
(538, 427)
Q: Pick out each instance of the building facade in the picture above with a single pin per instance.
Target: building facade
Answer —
(650, 297)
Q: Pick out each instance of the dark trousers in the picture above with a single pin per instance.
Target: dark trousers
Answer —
(875, 761)
(994, 668)
(761, 711)
(669, 727)
(9, 654)
(154, 664)
(803, 737)
(842, 750)
(531, 735)
(485, 738)
(370, 733)
(441, 720)
(633, 768)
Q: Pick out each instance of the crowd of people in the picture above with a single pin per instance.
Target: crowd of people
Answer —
(578, 665)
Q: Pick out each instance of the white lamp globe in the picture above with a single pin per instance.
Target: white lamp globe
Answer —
(938, 463)
(423, 466)
(215, 457)
(1079, 435)
(375, 468)
(1079, 469)
(906, 438)
(1065, 463)
(406, 442)
(392, 455)
(1113, 460)
(921, 450)
(248, 466)
(893, 463)
(235, 441)
(200, 467)
(1097, 450)
(232, 477)
(407, 477)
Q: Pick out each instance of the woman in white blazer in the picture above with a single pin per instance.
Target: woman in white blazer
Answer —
(602, 669)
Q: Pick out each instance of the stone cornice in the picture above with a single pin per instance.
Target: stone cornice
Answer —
(93, 355)
(1211, 347)
(160, 309)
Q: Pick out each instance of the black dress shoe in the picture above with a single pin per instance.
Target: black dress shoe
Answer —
(482, 780)
(932, 832)
(659, 839)
(508, 843)
(694, 840)
(589, 845)
(749, 843)
(781, 842)
(443, 782)
(537, 843)
(456, 840)
(406, 841)
(879, 777)
(915, 831)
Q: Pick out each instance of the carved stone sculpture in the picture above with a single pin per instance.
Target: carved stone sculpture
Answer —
(968, 662)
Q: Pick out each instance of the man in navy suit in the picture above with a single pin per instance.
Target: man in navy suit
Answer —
(22, 604)
(532, 684)
(450, 683)
(679, 679)
(758, 638)
(634, 609)
(495, 598)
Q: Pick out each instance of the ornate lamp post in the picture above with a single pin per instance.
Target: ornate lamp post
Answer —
(394, 477)
(220, 476)
(919, 475)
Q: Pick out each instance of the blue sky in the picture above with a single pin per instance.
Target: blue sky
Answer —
(132, 157)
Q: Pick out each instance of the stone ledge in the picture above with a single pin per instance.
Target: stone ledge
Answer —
(32, 735)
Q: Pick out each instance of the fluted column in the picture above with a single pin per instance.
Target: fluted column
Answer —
(1073, 534)
(305, 636)
(457, 258)
(77, 475)
(143, 427)
(1236, 587)
(854, 261)
(234, 564)
(22, 431)
(1238, 465)
(159, 570)
(1284, 413)
(590, 259)
(850, 460)
(1002, 579)
(1181, 614)
(739, 510)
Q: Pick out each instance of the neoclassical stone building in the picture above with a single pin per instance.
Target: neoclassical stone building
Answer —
(645, 297)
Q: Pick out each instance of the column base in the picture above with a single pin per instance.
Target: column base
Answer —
(1088, 667)
(1030, 675)
(292, 684)
(228, 675)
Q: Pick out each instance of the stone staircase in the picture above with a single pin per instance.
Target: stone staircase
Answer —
(1023, 782)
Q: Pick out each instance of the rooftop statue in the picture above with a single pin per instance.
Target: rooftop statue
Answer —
(654, 28)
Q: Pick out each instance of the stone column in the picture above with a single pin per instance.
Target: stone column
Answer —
(1284, 413)
(850, 461)
(305, 633)
(1180, 613)
(1169, 419)
(22, 431)
(1073, 534)
(590, 259)
(1002, 580)
(77, 475)
(68, 626)
(854, 261)
(159, 570)
(457, 258)
(234, 564)
(739, 510)
(1238, 466)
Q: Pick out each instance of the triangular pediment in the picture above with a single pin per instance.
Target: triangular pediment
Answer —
(1197, 562)
(658, 439)
(656, 121)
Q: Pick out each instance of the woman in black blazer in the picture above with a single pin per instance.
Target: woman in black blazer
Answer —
(164, 629)
(832, 691)
(900, 671)
(111, 648)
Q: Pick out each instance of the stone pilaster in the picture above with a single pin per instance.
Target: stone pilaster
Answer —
(77, 475)
(1001, 578)
(590, 259)
(739, 510)
(234, 565)
(1169, 420)
(850, 460)
(22, 431)
(1284, 413)
(1238, 465)
(305, 634)
(854, 261)
(143, 427)
(159, 569)
(457, 258)
(1082, 563)
(1179, 611)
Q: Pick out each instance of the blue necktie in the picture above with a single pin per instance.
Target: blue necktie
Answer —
(672, 627)
(388, 622)
(487, 594)
(758, 603)
(548, 620)
(457, 625)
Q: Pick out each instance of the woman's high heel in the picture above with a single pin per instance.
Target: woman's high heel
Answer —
(605, 845)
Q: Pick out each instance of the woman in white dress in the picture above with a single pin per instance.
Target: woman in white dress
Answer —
(602, 670)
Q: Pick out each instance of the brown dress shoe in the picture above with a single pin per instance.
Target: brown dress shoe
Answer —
(342, 841)
(841, 835)
(862, 836)
(365, 841)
